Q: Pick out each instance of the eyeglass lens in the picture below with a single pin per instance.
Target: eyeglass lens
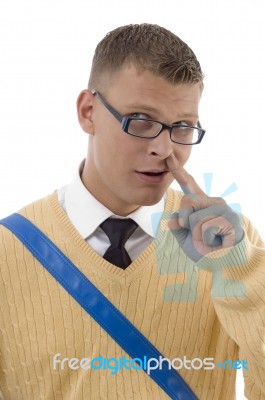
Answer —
(149, 129)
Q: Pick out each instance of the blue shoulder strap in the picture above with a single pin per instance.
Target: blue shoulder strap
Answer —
(96, 304)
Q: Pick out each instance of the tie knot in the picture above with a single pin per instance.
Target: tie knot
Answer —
(118, 230)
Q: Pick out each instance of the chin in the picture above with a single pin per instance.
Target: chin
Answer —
(150, 200)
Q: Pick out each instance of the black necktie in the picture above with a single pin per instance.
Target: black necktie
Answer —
(118, 232)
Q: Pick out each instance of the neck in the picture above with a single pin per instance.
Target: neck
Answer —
(104, 196)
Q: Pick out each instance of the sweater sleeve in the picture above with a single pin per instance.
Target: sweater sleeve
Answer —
(238, 293)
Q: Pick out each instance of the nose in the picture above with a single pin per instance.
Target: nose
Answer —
(161, 146)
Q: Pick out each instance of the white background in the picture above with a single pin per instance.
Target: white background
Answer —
(46, 51)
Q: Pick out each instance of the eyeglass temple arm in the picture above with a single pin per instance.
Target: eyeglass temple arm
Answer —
(115, 113)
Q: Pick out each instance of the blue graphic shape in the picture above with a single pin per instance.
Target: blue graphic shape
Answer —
(231, 189)
(236, 207)
(219, 365)
(208, 178)
(155, 222)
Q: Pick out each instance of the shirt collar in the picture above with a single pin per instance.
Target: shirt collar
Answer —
(87, 213)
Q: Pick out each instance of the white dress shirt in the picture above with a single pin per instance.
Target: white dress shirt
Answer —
(86, 213)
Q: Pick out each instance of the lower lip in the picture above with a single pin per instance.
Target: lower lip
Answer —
(151, 178)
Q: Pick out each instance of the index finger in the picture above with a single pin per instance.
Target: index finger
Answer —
(184, 179)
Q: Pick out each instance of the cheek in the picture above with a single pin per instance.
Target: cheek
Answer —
(113, 151)
(182, 153)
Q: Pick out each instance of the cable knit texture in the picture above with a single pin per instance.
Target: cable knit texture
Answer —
(213, 309)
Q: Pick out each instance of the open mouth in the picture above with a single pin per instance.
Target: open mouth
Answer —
(153, 173)
(152, 176)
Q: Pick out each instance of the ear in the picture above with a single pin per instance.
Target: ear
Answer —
(85, 104)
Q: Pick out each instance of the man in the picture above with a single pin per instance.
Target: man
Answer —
(190, 276)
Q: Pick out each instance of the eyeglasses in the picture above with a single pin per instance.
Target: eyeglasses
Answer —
(148, 129)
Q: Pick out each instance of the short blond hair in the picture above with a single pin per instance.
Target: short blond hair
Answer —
(149, 47)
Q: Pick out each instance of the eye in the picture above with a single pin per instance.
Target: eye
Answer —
(140, 115)
(185, 123)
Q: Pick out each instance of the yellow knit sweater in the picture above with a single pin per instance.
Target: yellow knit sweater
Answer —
(166, 296)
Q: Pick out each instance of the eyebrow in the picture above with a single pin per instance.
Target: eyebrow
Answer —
(143, 107)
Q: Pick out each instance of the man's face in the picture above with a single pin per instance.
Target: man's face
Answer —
(118, 165)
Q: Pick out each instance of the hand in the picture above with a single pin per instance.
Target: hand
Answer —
(203, 224)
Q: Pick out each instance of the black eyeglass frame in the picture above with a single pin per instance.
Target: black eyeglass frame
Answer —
(125, 122)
